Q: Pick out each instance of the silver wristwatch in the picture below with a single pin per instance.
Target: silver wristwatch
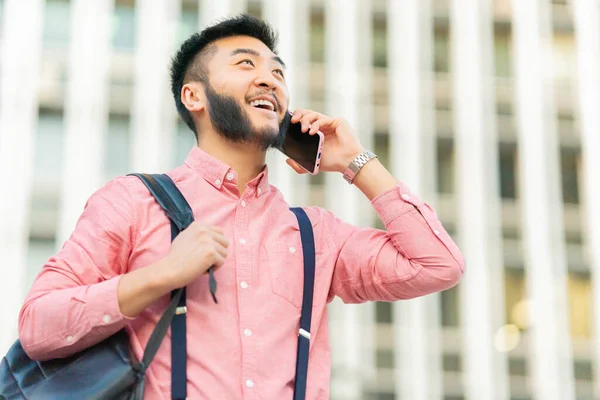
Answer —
(357, 164)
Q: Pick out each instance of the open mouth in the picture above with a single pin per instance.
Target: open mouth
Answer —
(263, 104)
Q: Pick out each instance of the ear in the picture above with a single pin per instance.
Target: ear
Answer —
(295, 166)
(192, 96)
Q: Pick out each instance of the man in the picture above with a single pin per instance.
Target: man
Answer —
(118, 267)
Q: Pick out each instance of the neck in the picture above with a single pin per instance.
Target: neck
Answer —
(244, 158)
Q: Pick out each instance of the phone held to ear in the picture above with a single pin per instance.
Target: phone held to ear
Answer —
(301, 147)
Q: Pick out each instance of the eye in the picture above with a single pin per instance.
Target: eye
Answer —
(247, 61)
(279, 71)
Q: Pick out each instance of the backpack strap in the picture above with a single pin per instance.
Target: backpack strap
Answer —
(308, 251)
(181, 216)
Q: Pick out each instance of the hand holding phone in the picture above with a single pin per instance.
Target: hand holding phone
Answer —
(303, 148)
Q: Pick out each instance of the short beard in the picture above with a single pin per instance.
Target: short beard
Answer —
(233, 123)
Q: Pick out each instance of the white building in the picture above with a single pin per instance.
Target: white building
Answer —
(489, 110)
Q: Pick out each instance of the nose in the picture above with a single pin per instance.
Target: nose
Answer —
(266, 80)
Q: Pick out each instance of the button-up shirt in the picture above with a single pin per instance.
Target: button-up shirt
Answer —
(244, 347)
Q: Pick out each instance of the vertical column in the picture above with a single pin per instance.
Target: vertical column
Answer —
(541, 203)
(479, 226)
(19, 81)
(290, 18)
(587, 30)
(344, 31)
(412, 141)
(86, 109)
(212, 10)
(153, 115)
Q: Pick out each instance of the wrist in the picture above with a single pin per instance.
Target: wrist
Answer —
(349, 158)
(161, 276)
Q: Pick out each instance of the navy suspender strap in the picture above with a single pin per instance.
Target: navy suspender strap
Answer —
(181, 216)
(308, 250)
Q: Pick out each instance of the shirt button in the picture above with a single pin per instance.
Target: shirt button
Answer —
(243, 203)
(259, 190)
(218, 182)
(106, 318)
(242, 241)
(405, 196)
(247, 332)
(229, 176)
(250, 383)
(244, 285)
(69, 339)
(292, 249)
(436, 232)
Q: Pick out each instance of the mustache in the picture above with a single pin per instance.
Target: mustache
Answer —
(265, 93)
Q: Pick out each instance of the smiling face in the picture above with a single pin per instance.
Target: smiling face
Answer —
(246, 95)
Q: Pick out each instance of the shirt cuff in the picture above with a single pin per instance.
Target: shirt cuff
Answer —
(395, 202)
(102, 303)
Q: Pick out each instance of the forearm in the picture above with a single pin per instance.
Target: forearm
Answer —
(374, 179)
(140, 288)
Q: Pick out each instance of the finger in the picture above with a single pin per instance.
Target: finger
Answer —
(219, 260)
(220, 239)
(322, 124)
(295, 166)
(299, 113)
(222, 250)
(216, 229)
(308, 119)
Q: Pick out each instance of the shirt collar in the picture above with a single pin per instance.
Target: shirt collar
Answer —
(215, 171)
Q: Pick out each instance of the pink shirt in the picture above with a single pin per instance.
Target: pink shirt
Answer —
(244, 346)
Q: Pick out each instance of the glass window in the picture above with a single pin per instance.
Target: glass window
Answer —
(124, 27)
(57, 23)
(118, 152)
(502, 53)
(449, 304)
(445, 166)
(441, 51)
(515, 298)
(384, 358)
(380, 42)
(570, 181)
(188, 23)
(508, 166)
(49, 151)
(452, 363)
(383, 312)
(317, 37)
(580, 303)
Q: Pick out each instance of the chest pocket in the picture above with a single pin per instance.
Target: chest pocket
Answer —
(286, 266)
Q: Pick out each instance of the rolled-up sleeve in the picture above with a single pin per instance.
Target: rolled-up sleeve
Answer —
(413, 257)
(73, 302)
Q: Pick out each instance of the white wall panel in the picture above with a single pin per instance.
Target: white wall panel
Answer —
(19, 85)
(541, 202)
(477, 184)
(587, 30)
(86, 109)
(412, 145)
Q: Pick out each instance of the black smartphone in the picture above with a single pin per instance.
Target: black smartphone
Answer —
(301, 147)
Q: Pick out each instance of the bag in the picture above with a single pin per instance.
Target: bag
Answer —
(108, 369)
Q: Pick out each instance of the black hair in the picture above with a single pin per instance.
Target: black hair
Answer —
(189, 63)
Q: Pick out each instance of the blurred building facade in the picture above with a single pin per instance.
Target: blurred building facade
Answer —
(478, 105)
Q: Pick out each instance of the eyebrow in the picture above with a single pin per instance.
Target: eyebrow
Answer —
(256, 54)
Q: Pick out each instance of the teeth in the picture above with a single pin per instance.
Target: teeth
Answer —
(256, 103)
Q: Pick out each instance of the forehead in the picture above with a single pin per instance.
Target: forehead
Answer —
(226, 45)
